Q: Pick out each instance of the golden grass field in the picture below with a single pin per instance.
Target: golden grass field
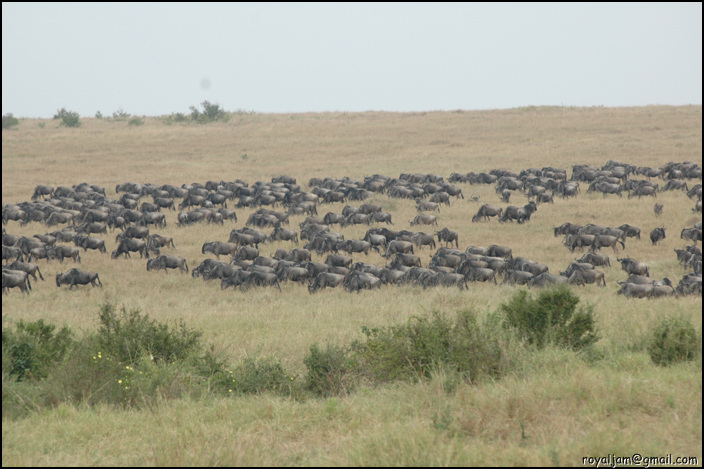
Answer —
(555, 411)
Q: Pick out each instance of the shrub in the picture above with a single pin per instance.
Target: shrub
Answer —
(9, 121)
(68, 118)
(211, 113)
(136, 121)
(120, 115)
(129, 335)
(673, 340)
(33, 348)
(551, 319)
(328, 371)
(425, 345)
(253, 376)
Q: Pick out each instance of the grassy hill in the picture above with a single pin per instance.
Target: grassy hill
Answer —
(555, 408)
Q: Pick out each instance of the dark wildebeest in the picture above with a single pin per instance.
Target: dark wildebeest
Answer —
(76, 277)
(396, 246)
(630, 231)
(324, 280)
(657, 208)
(15, 279)
(167, 262)
(86, 243)
(692, 234)
(42, 191)
(61, 252)
(520, 214)
(656, 235)
(595, 259)
(447, 237)
(128, 245)
(357, 281)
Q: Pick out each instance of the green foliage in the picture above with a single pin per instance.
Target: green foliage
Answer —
(254, 376)
(175, 118)
(328, 370)
(98, 115)
(130, 335)
(551, 319)
(33, 347)
(68, 118)
(212, 112)
(673, 340)
(136, 121)
(428, 344)
(9, 121)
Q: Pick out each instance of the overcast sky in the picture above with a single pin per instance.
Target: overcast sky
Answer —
(156, 59)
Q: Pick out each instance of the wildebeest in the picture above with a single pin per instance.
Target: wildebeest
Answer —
(520, 214)
(657, 208)
(632, 266)
(408, 260)
(630, 231)
(657, 234)
(15, 279)
(128, 245)
(693, 234)
(581, 277)
(424, 219)
(423, 239)
(218, 247)
(42, 191)
(447, 236)
(357, 281)
(396, 246)
(635, 290)
(31, 269)
(61, 252)
(486, 211)
(324, 280)
(76, 277)
(424, 206)
(86, 243)
(167, 262)
(595, 259)
(601, 241)
(545, 279)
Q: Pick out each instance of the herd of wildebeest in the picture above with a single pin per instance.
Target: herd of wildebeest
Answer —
(138, 209)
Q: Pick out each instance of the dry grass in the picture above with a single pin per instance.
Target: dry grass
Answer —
(566, 407)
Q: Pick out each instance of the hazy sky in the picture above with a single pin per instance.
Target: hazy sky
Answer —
(156, 59)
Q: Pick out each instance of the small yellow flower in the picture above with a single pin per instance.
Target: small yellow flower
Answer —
(230, 390)
(127, 367)
(119, 381)
(127, 387)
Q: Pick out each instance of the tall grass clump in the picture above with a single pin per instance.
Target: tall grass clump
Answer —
(551, 319)
(673, 340)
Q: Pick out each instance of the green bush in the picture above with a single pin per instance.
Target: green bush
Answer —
(211, 113)
(9, 121)
(551, 319)
(130, 335)
(68, 118)
(254, 376)
(33, 348)
(328, 371)
(673, 340)
(136, 121)
(426, 345)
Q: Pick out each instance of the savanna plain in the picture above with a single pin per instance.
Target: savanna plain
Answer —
(553, 407)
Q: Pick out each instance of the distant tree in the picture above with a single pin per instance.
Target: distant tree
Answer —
(211, 112)
(8, 121)
(68, 118)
